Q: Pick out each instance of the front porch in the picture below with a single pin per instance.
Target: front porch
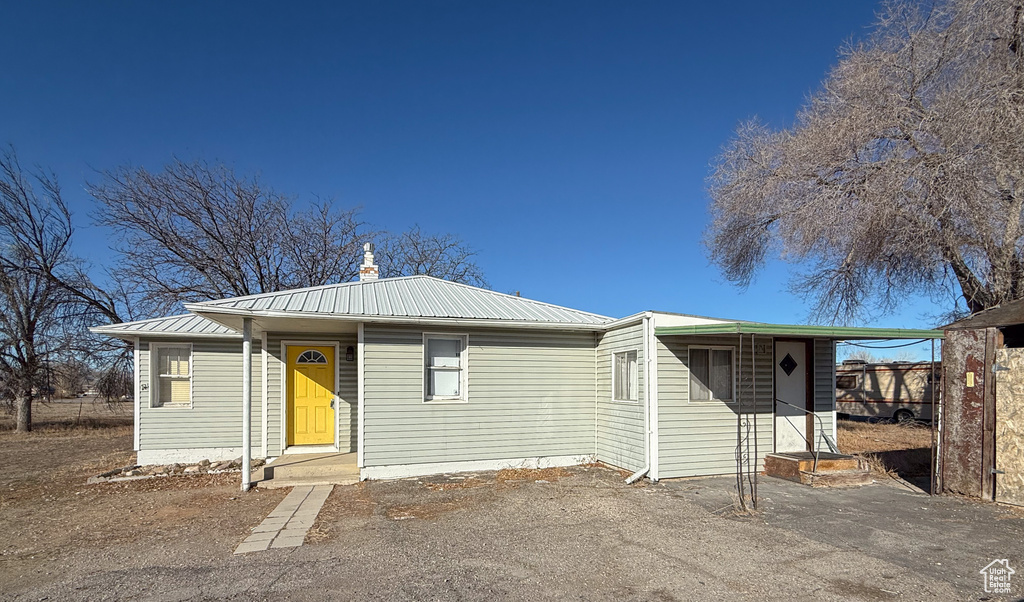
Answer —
(295, 470)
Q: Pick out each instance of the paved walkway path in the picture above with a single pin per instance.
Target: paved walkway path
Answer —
(287, 525)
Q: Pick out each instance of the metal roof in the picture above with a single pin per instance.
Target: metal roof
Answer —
(828, 332)
(1005, 314)
(190, 324)
(413, 297)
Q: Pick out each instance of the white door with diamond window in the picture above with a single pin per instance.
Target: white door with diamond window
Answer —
(791, 364)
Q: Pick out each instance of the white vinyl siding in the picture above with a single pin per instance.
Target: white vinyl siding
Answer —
(620, 426)
(531, 394)
(215, 417)
(699, 437)
(824, 388)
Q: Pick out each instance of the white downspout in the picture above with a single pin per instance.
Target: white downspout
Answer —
(246, 403)
(636, 476)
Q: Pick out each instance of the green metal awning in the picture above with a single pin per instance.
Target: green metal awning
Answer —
(852, 333)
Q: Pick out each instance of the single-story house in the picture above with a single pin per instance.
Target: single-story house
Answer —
(417, 375)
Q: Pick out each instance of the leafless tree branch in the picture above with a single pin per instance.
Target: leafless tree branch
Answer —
(904, 173)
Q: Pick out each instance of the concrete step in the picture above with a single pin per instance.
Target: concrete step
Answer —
(308, 469)
(788, 465)
(840, 478)
(279, 483)
(831, 470)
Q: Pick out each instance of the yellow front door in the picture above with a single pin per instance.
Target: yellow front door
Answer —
(310, 393)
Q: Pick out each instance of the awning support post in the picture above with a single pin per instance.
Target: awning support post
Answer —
(246, 403)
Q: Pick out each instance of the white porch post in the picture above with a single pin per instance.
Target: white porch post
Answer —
(246, 403)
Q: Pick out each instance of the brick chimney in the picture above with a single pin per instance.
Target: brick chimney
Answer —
(368, 271)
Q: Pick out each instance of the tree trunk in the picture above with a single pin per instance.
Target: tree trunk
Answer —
(25, 412)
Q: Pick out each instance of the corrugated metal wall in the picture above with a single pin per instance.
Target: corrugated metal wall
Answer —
(965, 458)
(531, 394)
(620, 425)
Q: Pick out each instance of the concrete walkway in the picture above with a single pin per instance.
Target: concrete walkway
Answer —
(287, 525)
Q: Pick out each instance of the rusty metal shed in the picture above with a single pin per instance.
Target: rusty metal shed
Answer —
(981, 443)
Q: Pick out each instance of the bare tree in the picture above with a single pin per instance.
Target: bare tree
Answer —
(322, 245)
(195, 231)
(29, 300)
(903, 175)
(47, 298)
(443, 256)
(70, 376)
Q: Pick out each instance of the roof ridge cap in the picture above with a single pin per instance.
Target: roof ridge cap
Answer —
(521, 299)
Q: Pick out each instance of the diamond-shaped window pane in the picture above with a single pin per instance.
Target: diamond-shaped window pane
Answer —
(788, 364)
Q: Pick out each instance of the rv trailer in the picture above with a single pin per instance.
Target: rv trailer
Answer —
(900, 391)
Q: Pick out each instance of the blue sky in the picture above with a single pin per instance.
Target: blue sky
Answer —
(567, 141)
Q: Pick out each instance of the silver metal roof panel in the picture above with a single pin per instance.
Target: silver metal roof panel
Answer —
(407, 297)
(190, 324)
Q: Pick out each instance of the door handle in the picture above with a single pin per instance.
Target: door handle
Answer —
(332, 404)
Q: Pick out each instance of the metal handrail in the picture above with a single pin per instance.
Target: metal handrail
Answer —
(821, 426)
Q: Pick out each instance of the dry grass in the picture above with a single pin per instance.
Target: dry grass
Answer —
(88, 413)
(879, 467)
(864, 437)
(896, 450)
(512, 475)
(467, 483)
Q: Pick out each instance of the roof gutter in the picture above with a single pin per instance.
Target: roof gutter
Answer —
(628, 320)
(131, 334)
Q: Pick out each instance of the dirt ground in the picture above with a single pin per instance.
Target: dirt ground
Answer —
(50, 515)
(901, 450)
(559, 534)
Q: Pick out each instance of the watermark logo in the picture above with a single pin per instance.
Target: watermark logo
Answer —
(997, 576)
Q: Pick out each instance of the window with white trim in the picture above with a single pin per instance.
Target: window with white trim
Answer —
(172, 375)
(624, 376)
(444, 367)
(712, 374)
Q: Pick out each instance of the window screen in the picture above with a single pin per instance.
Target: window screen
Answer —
(624, 374)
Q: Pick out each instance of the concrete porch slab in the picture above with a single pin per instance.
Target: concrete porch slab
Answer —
(308, 470)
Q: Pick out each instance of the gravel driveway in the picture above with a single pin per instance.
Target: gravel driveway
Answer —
(577, 534)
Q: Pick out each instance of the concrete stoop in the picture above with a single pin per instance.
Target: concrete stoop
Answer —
(296, 470)
(833, 470)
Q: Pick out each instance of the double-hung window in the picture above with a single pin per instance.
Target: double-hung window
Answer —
(711, 373)
(172, 375)
(624, 376)
(445, 367)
